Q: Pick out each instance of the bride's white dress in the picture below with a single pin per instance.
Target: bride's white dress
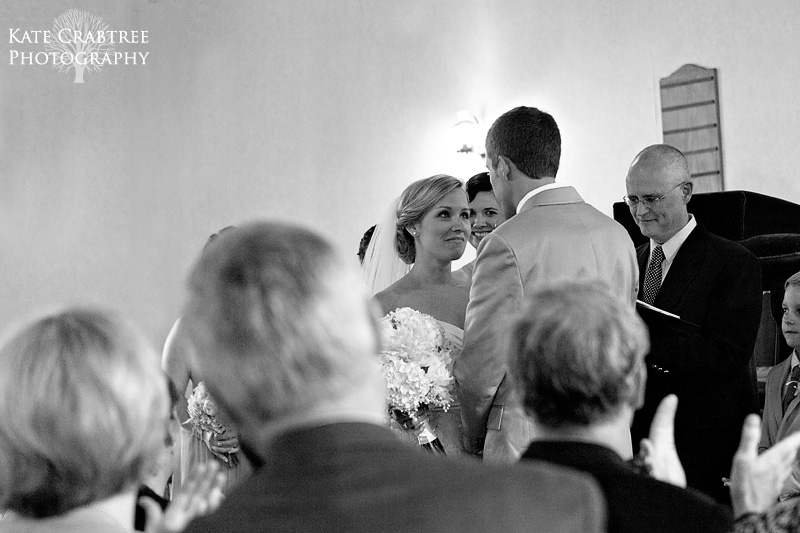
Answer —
(446, 425)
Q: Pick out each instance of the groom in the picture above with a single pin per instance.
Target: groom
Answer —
(551, 235)
(287, 343)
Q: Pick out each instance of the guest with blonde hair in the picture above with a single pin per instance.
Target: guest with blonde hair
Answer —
(83, 417)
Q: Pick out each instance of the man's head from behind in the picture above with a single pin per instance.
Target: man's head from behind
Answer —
(525, 139)
(282, 326)
(577, 355)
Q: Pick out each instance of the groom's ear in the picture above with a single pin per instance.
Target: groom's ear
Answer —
(503, 167)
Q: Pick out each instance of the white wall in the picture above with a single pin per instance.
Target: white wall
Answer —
(320, 112)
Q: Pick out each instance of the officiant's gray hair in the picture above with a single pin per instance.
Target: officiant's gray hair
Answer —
(83, 411)
(577, 354)
(281, 322)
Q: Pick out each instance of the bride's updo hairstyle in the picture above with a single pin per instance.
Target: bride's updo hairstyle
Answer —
(415, 202)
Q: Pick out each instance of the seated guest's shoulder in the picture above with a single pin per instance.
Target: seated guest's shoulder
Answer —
(673, 506)
(550, 495)
(431, 494)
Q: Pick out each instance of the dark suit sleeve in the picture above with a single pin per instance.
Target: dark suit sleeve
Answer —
(724, 301)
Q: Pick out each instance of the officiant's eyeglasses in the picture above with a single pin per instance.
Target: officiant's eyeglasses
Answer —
(648, 200)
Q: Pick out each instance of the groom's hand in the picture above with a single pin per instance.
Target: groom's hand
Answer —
(658, 451)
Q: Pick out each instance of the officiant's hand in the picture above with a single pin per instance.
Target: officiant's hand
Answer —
(199, 495)
(756, 480)
(658, 451)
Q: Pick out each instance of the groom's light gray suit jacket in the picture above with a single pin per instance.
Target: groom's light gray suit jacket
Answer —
(555, 236)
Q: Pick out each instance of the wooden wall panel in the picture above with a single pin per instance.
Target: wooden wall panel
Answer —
(690, 123)
(676, 119)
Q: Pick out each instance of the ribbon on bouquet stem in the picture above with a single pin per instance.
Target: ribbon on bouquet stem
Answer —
(419, 423)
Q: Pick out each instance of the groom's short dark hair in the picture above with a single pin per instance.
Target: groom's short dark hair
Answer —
(528, 137)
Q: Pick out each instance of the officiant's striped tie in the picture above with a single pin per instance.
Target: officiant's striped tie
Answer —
(652, 282)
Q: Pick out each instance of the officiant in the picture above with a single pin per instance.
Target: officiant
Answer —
(714, 286)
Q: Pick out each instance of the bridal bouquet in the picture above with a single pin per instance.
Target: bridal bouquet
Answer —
(205, 421)
(417, 366)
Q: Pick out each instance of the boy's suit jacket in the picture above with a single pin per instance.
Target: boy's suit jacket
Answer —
(775, 424)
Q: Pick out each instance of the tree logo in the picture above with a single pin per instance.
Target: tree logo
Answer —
(82, 38)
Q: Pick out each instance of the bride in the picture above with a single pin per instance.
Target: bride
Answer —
(428, 230)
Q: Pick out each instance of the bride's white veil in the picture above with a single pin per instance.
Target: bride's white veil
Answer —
(382, 266)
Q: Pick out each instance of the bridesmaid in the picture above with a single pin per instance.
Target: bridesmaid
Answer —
(484, 212)
(176, 359)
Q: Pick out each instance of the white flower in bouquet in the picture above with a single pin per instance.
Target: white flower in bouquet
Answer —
(205, 421)
(203, 412)
(416, 361)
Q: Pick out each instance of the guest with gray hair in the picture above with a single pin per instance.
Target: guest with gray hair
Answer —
(83, 418)
(577, 357)
(287, 343)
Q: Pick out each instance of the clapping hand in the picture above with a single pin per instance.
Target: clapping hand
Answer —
(658, 451)
(200, 494)
(756, 480)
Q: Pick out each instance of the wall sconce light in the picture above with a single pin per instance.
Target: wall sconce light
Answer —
(467, 135)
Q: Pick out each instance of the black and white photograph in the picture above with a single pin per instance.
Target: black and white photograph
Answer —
(433, 265)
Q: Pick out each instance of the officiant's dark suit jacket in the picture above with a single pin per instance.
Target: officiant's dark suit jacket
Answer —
(360, 477)
(636, 502)
(715, 285)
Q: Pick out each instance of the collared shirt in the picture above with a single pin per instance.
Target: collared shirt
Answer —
(794, 363)
(536, 191)
(672, 246)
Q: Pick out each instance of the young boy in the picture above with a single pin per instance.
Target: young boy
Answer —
(782, 405)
